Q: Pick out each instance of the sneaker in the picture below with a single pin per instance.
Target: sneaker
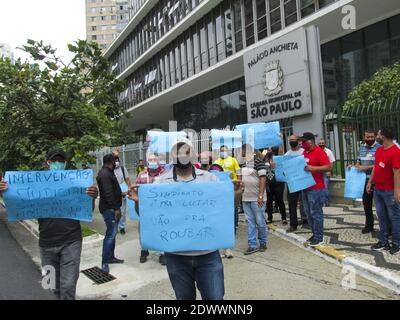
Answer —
(310, 239)
(380, 247)
(143, 256)
(116, 260)
(122, 231)
(291, 229)
(316, 243)
(105, 268)
(304, 221)
(228, 254)
(162, 260)
(250, 251)
(263, 247)
(367, 230)
(394, 249)
(284, 222)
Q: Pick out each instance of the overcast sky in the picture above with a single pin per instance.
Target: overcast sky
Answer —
(56, 22)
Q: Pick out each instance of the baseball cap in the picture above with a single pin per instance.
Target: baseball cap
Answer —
(307, 136)
(56, 152)
(181, 141)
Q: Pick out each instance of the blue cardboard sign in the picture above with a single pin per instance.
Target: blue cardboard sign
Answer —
(180, 217)
(130, 204)
(48, 194)
(231, 139)
(297, 179)
(222, 175)
(355, 183)
(279, 174)
(162, 142)
(261, 135)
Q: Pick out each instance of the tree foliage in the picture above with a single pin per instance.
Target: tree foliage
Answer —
(383, 86)
(46, 104)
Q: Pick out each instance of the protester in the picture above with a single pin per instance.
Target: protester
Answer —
(275, 189)
(365, 163)
(122, 176)
(253, 173)
(148, 176)
(295, 197)
(313, 198)
(140, 167)
(110, 208)
(60, 240)
(327, 175)
(386, 177)
(230, 164)
(190, 268)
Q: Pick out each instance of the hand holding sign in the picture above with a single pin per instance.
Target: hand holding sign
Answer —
(130, 204)
(296, 177)
(187, 216)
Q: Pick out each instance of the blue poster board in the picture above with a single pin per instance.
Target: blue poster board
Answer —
(297, 179)
(231, 139)
(261, 135)
(48, 194)
(162, 142)
(355, 183)
(180, 217)
(130, 204)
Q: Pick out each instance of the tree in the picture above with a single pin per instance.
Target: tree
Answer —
(383, 86)
(46, 104)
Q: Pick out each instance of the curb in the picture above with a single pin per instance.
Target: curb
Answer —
(378, 275)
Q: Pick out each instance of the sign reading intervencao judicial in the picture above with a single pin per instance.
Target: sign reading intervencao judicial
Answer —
(278, 79)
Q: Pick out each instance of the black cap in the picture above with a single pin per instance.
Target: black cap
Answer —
(56, 152)
(307, 136)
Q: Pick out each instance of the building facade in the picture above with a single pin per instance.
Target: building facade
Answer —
(187, 60)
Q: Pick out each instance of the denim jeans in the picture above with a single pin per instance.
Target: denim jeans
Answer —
(313, 201)
(122, 221)
(109, 238)
(207, 271)
(255, 220)
(388, 211)
(327, 180)
(65, 260)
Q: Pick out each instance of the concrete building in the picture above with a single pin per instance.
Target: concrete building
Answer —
(200, 62)
(5, 51)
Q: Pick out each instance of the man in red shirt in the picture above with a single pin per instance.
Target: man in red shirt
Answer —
(386, 176)
(313, 198)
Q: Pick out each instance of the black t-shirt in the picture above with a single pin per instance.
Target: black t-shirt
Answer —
(58, 232)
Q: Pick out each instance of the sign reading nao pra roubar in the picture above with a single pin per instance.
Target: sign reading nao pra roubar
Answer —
(278, 78)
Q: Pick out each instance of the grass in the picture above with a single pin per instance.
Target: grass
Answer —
(86, 231)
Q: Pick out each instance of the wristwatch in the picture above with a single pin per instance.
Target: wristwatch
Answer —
(260, 197)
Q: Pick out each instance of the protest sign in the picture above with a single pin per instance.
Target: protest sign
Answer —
(279, 174)
(222, 175)
(130, 204)
(48, 194)
(261, 135)
(355, 183)
(162, 142)
(187, 216)
(230, 139)
(297, 179)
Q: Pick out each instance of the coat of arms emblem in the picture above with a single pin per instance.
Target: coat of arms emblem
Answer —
(273, 78)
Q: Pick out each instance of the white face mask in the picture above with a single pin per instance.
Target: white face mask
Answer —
(117, 164)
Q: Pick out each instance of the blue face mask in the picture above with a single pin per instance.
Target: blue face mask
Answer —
(223, 154)
(153, 165)
(57, 165)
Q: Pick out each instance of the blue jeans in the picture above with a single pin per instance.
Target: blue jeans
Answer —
(122, 221)
(109, 238)
(207, 271)
(388, 211)
(255, 220)
(313, 201)
(327, 180)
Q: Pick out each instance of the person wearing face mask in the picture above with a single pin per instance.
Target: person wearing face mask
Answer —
(313, 198)
(365, 163)
(190, 268)
(148, 176)
(295, 197)
(327, 175)
(110, 208)
(60, 240)
(140, 167)
(386, 177)
(122, 176)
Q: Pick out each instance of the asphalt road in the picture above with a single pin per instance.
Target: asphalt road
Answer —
(20, 278)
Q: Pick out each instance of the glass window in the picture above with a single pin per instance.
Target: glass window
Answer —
(275, 15)
(249, 22)
(196, 52)
(211, 40)
(377, 43)
(394, 25)
(172, 66)
(178, 73)
(290, 12)
(324, 3)
(189, 51)
(219, 37)
(237, 14)
(228, 30)
(307, 7)
(203, 47)
(183, 59)
(167, 74)
(262, 30)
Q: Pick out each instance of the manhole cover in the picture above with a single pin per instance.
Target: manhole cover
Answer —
(97, 275)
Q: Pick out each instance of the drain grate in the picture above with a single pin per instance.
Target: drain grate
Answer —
(97, 275)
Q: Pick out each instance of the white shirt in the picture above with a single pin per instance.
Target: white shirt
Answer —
(330, 155)
(295, 153)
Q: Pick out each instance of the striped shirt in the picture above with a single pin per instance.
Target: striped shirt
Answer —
(367, 155)
(251, 172)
